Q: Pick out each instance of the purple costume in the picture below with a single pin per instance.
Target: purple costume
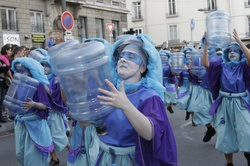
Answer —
(161, 150)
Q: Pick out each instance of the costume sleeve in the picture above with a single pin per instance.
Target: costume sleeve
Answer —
(167, 73)
(213, 78)
(57, 100)
(163, 146)
(247, 76)
(42, 97)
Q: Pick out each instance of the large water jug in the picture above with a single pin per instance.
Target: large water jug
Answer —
(218, 29)
(164, 59)
(196, 64)
(21, 89)
(177, 65)
(36, 55)
(52, 51)
(82, 69)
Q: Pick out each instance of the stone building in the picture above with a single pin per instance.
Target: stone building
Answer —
(28, 22)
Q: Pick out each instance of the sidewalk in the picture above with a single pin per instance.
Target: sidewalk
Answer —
(7, 127)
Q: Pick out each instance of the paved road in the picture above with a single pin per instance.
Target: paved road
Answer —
(191, 150)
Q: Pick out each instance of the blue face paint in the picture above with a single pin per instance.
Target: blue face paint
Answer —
(22, 70)
(46, 65)
(235, 50)
(129, 56)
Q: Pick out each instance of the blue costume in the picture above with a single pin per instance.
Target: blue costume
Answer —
(122, 145)
(168, 82)
(84, 145)
(229, 83)
(57, 114)
(32, 134)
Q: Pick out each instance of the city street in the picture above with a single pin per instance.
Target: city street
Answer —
(191, 150)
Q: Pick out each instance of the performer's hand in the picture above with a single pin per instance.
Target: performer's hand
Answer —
(28, 105)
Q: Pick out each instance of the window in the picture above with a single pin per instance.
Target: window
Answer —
(173, 32)
(82, 27)
(211, 5)
(36, 22)
(247, 3)
(99, 28)
(138, 31)
(137, 10)
(172, 7)
(248, 19)
(9, 21)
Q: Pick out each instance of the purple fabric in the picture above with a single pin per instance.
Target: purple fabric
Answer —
(213, 78)
(167, 73)
(41, 97)
(45, 150)
(215, 105)
(247, 76)
(56, 101)
(173, 89)
(161, 150)
(230, 79)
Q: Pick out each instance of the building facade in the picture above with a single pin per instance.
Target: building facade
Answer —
(168, 22)
(28, 22)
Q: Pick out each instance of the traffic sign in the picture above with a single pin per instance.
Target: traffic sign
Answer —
(67, 21)
(110, 27)
(192, 24)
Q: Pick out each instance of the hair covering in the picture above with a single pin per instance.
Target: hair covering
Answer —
(225, 53)
(42, 51)
(38, 54)
(185, 49)
(166, 53)
(47, 59)
(35, 68)
(153, 78)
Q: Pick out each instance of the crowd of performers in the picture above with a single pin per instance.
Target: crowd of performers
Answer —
(142, 88)
(220, 99)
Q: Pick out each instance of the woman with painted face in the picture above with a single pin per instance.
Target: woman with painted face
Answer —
(229, 81)
(32, 134)
(138, 131)
(57, 119)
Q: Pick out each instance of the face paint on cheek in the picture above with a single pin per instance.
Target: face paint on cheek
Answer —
(22, 70)
(234, 54)
(131, 57)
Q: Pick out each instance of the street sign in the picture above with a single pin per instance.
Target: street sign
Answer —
(67, 21)
(192, 24)
(110, 27)
(68, 35)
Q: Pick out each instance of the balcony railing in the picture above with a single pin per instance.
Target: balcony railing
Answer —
(172, 14)
(37, 28)
(113, 3)
(174, 41)
(137, 18)
(247, 4)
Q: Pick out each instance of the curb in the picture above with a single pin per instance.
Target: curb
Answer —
(7, 127)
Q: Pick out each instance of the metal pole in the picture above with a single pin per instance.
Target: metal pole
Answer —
(192, 38)
(63, 5)
(63, 2)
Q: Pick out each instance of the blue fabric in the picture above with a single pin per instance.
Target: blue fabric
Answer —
(225, 54)
(35, 68)
(47, 59)
(154, 74)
